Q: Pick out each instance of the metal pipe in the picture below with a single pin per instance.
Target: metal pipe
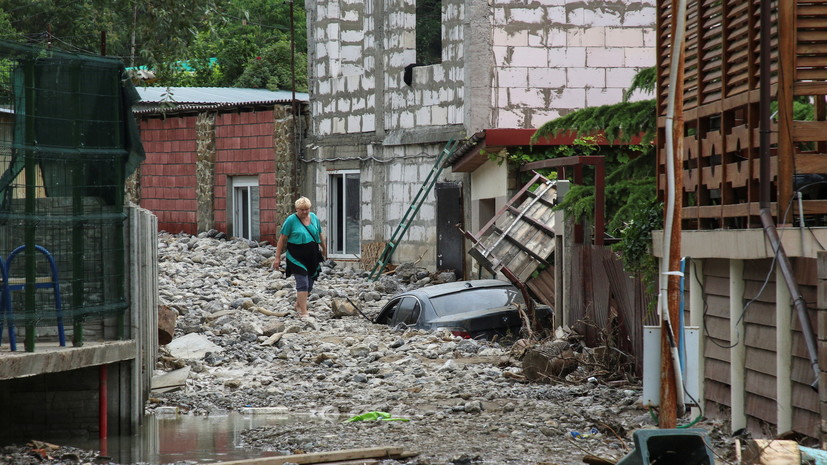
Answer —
(798, 301)
(765, 181)
(103, 411)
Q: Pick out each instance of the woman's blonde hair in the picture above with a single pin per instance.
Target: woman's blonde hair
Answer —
(303, 202)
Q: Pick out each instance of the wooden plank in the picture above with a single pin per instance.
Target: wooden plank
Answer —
(806, 422)
(766, 452)
(811, 88)
(717, 391)
(806, 163)
(809, 131)
(760, 407)
(761, 360)
(322, 457)
(717, 349)
(761, 384)
(785, 23)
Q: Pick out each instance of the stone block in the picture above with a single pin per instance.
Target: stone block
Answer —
(510, 38)
(598, 97)
(624, 37)
(512, 77)
(439, 115)
(586, 37)
(568, 99)
(639, 57)
(585, 77)
(525, 97)
(546, 77)
(526, 15)
(609, 57)
(644, 17)
(529, 57)
(567, 57)
(354, 123)
(600, 17)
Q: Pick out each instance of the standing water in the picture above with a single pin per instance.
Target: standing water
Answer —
(168, 439)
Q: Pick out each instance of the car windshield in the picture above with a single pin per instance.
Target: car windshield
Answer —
(475, 299)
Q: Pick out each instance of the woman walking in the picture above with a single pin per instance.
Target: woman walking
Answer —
(301, 234)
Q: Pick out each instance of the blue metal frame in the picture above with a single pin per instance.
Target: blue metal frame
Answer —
(8, 288)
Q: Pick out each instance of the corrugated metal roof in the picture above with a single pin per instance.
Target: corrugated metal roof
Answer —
(215, 95)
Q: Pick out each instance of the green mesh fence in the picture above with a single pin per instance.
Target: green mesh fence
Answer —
(67, 141)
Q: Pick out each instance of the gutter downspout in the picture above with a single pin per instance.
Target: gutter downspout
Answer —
(663, 305)
(765, 194)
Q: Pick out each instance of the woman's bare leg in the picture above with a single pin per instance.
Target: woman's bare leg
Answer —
(301, 303)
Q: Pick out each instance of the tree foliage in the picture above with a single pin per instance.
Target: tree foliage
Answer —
(184, 42)
(631, 204)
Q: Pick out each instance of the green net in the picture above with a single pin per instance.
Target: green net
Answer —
(67, 142)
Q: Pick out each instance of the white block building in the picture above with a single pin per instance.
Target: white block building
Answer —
(499, 64)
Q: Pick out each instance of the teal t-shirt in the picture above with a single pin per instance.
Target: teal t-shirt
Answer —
(299, 256)
(297, 233)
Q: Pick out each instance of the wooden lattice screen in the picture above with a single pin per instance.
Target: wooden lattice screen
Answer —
(721, 149)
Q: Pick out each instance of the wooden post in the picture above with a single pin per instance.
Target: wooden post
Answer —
(786, 76)
(668, 387)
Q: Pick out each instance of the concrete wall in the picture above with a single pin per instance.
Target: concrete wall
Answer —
(504, 64)
(60, 407)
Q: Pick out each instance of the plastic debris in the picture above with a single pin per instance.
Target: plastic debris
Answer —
(578, 435)
(372, 416)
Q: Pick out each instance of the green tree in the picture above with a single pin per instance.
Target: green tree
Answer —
(632, 208)
(185, 42)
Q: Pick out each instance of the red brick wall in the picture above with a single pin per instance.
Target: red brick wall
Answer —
(168, 173)
(244, 146)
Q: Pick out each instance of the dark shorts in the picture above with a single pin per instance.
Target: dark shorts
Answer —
(304, 283)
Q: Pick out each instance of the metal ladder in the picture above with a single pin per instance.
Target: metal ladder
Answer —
(410, 214)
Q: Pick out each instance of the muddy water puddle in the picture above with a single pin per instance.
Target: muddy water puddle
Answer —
(178, 439)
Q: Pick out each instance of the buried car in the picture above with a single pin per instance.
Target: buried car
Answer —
(478, 309)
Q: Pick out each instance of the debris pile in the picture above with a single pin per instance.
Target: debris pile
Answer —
(462, 397)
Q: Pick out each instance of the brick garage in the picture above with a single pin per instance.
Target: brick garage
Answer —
(217, 163)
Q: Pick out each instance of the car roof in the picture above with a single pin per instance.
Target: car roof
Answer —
(456, 286)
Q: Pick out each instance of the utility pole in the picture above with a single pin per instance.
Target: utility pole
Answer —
(671, 390)
(294, 104)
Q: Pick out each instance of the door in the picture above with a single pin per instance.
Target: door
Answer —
(450, 244)
(245, 204)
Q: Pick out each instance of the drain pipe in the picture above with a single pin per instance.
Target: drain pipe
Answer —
(663, 304)
(765, 180)
(103, 410)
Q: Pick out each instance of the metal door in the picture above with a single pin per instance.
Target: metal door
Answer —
(450, 245)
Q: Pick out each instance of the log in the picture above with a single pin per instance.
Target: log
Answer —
(166, 324)
(323, 457)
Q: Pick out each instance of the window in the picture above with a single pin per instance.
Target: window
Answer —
(245, 201)
(407, 312)
(428, 32)
(345, 230)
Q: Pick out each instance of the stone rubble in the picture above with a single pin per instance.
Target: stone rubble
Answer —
(466, 401)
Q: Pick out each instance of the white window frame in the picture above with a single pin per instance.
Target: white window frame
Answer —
(243, 183)
(334, 205)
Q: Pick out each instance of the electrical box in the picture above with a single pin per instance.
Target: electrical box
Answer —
(651, 365)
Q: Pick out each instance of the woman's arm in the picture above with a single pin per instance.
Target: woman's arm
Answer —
(282, 242)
